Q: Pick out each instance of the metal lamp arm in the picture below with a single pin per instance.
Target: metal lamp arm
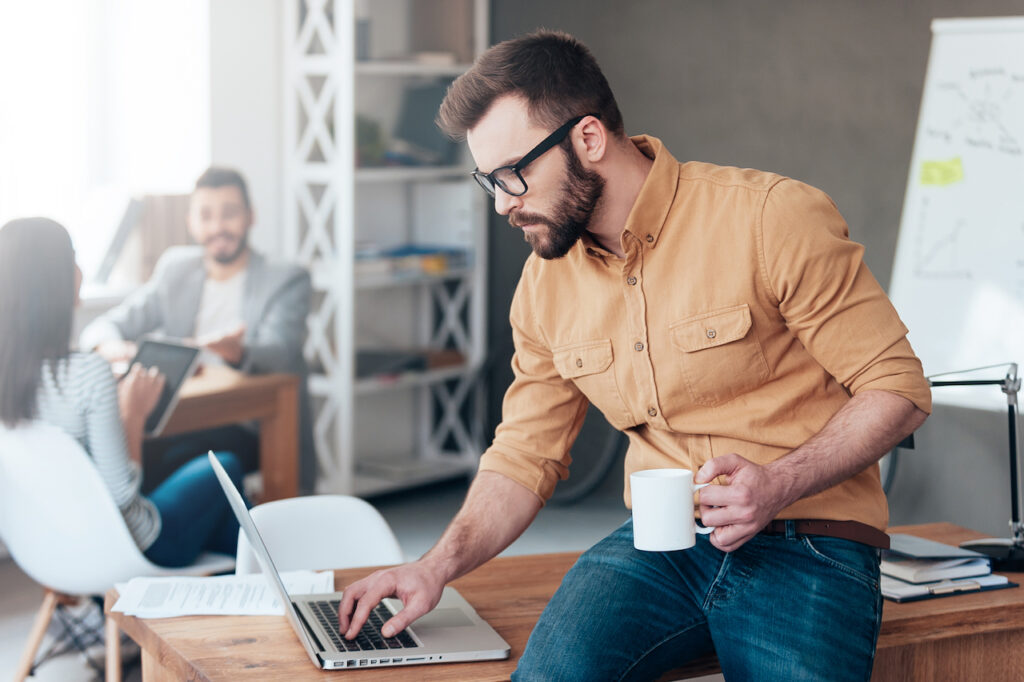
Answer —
(1011, 387)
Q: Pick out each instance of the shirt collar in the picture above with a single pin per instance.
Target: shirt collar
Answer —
(659, 190)
(589, 246)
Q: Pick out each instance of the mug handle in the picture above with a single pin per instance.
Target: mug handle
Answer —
(703, 530)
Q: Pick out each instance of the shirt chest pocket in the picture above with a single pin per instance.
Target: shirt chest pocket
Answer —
(720, 357)
(589, 365)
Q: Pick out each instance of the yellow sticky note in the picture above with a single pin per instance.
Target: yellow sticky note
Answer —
(942, 172)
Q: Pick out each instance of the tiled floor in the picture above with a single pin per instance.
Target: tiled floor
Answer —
(418, 519)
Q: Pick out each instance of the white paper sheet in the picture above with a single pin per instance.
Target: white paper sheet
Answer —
(238, 595)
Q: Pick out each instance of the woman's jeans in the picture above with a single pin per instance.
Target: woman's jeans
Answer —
(781, 607)
(194, 513)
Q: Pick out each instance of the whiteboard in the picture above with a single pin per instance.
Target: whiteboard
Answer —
(958, 273)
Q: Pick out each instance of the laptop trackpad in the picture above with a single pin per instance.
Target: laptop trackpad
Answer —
(442, 618)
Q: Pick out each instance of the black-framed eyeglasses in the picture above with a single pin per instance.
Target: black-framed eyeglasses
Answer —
(510, 178)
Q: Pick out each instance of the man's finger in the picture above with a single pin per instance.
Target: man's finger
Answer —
(724, 517)
(348, 599)
(731, 538)
(413, 609)
(402, 620)
(367, 601)
(714, 516)
(722, 496)
(718, 466)
(363, 607)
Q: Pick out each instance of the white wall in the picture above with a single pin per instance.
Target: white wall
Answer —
(246, 105)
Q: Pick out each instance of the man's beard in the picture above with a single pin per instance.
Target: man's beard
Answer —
(571, 216)
(230, 256)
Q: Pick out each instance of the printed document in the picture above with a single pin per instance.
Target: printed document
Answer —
(236, 595)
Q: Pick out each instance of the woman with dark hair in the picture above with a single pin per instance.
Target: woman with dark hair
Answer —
(42, 378)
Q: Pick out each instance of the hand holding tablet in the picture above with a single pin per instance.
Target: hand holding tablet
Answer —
(176, 362)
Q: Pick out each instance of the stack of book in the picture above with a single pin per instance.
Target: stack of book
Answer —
(914, 568)
(408, 260)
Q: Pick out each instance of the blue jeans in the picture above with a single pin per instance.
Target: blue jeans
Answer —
(781, 607)
(194, 513)
(163, 456)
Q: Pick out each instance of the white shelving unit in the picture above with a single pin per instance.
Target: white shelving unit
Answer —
(350, 68)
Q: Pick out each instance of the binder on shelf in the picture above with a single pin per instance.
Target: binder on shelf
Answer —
(393, 362)
(917, 560)
(376, 363)
(930, 570)
(913, 547)
(900, 591)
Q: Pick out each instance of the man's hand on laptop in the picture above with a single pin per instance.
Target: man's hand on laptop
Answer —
(417, 585)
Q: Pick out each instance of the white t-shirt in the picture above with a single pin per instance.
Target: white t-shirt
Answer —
(220, 311)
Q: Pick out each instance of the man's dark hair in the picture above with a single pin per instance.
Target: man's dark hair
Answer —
(555, 73)
(218, 176)
(37, 301)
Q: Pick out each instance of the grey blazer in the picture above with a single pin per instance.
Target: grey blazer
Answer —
(274, 308)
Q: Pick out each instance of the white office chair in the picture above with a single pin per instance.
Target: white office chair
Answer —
(64, 530)
(320, 532)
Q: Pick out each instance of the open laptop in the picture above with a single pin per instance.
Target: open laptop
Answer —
(451, 632)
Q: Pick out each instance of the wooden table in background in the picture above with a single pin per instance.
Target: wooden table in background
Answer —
(966, 637)
(219, 396)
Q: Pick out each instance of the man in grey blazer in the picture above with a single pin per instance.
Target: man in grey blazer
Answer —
(243, 310)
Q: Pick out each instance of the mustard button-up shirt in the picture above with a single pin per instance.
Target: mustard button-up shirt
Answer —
(740, 320)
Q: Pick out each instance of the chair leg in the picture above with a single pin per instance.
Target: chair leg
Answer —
(113, 644)
(35, 637)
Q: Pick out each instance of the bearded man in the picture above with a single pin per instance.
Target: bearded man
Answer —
(723, 319)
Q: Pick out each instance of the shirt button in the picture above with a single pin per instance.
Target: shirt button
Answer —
(653, 412)
(579, 362)
(631, 280)
(650, 238)
(638, 346)
(712, 333)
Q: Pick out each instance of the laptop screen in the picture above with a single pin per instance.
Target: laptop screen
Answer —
(262, 554)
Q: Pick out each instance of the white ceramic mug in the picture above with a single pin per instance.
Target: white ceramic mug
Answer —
(663, 509)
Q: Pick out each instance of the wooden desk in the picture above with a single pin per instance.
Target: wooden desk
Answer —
(219, 395)
(966, 637)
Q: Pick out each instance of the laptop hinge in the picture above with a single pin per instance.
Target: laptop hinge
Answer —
(312, 633)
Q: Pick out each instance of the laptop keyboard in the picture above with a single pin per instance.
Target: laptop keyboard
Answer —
(369, 637)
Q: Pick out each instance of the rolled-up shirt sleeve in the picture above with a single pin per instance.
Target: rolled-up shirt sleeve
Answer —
(829, 298)
(542, 412)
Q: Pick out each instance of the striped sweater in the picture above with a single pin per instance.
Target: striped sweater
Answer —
(79, 395)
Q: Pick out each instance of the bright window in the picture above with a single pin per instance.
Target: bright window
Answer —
(100, 100)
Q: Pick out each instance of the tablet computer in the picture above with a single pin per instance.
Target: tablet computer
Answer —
(176, 362)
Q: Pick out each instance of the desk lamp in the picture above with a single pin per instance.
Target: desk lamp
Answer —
(1007, 554)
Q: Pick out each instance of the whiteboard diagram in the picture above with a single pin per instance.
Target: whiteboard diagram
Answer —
(980, 102)
(958, 274)
(938, 254)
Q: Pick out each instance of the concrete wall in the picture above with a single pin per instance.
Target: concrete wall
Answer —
(824, 92)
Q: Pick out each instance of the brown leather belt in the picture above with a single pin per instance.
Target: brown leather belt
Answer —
(847, 530)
